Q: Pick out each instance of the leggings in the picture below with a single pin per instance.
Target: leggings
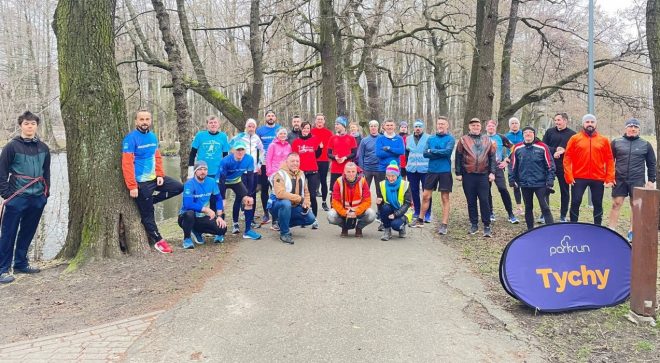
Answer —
(500, 182)
(189, 222)
(265, 184)
(313, 182)
(528, 197)
(324, 166)
(597, 191)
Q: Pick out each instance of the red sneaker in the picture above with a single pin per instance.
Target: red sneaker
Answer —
(162, 246)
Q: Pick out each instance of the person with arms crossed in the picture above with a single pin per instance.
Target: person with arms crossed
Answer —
(323, 135)
(556, 138)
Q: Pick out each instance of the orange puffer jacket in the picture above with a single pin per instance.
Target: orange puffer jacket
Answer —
(347, 195)
(588, 157)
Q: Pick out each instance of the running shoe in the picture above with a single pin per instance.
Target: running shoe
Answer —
(235, 229)
(198, 237)
(513, 220)
(541, 220)
(265, 220)
(473, 229)
(324, 205)
(27, 270)
(6, 278)
(443, 229)
(275, 226)
(188, 244)
(315, 225)
(286, 238)
(162, 246)
(219, 239)
(563, 219)
(417, 223)
(487, 232)
(402, 231)
(492, 217)
(251, 234)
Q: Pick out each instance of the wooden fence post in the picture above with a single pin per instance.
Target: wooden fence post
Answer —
(643, 299)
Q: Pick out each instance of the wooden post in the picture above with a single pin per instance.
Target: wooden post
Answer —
(643, 300)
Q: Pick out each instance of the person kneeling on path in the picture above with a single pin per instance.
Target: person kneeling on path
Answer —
(292, 199)
(533, 171)
(395, 202)
(196, 213)
(351, 200)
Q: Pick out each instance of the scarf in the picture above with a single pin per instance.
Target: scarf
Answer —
(392, 192)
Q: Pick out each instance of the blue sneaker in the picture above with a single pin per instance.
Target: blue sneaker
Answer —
(492, 217)
(513, 220)
(188, 244)
(198, 237)
(251, 234)
(219, 239)
(630, 236)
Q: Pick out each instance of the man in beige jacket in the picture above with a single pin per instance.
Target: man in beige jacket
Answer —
(292, 199)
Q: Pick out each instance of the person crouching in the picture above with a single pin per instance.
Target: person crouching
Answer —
(351, 200)
(395, 202)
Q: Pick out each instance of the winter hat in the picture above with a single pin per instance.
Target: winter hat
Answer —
(342, 120)
(588, 117)
(403, 123)
(529, 128)
(418, 123)
(250, 121)
(393, 168)
(373, 122)
(632, 122)
(200, 164)
(282, 130)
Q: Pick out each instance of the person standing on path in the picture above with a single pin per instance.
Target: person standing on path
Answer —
(533, 171)
(556, 138)
(632, 155)
(351, 202)
(588, 162)
(24, 182)
(389, 147)
(366, 156)
(503, 148)
(341, 149)
(142, 167)
(323, 135)
(255, 148)
(307, 146)
(515, 137)
(210, 145)
(267, 134)
(196, 213)
(475, 167)
(292, 198)
(277, 152)
(438, 150)
(394, 203)
(417, 168)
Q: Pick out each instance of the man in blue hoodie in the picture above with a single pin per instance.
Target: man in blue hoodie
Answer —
(366, 154)
(515, 136)
(438, 150)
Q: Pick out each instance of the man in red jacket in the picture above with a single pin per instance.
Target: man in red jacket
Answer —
(588, 162)
(351, 199)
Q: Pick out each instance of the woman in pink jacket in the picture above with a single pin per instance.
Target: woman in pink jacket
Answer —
(277, 152)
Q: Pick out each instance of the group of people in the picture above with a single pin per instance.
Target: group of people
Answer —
(289, 169)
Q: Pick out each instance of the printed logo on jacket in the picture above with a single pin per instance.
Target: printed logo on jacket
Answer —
(567, 266)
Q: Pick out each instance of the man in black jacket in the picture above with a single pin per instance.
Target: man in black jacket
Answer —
(24, 181)
(556, 139)
(633, 156)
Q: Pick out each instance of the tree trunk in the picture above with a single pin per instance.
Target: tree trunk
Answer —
(507, 50)
(253, 97)
(183, 125)
(103, 219)
(329, 68)
(653, 45)
(480, 91)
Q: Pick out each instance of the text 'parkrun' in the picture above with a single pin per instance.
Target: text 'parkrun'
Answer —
(582, 277)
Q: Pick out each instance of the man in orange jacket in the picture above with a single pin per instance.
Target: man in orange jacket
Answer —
(351, 200)
(588, 162)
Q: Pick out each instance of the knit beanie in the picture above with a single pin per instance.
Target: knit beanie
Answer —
(393, 168)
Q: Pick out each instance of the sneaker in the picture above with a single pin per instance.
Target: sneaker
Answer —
(492, 217)
(235, 229)
(265, 220)
(162, 246)
(315, 225)
(219, 239)
(487, 232)
(255, 225)
(563, 219)
(630, 236)
(251, 234)
(6, 278)
(427, 220)
(443, 229)
(473, 229)
(286, 238)
(275, 226)
(27, 270)
(324, 205)
(381, 227)
(188, 244)
(318, 194)
(198, 237)
(402, 231)
(541, 220)
(417, 223)
(513, 220)
(387, 234)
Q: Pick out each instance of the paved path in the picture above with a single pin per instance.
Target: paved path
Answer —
(102, 343)
(332, 299)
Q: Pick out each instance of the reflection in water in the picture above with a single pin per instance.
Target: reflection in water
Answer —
(52, 229)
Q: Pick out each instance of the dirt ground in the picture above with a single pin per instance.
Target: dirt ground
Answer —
(53, 302)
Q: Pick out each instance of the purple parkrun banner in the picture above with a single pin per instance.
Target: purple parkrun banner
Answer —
(567, 266)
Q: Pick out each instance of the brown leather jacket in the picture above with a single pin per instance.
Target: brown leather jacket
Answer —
(475, 154)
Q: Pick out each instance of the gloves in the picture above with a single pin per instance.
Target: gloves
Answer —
(190, 172)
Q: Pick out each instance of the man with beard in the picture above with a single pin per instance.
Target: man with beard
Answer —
(142, 167)
(341, 149)
(296, 121)
(556, 139)
(588, 162)
(267, 134)
(351, 199)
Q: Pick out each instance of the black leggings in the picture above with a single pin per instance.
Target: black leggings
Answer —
(240, 191)
(500, 182)
(324, 166)
(313, 184)
(565, 192)
(146, 200)
(265, 184)
(189, 222)
(528, 197)
(475, 186)
(517, 195)
(597, 190)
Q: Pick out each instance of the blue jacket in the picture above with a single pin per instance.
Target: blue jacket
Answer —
(197, 196)
(366, 154)
(417, 162)
(515, 137)
(388, 149)
(532, 165)
(439, 149)
(503, 146)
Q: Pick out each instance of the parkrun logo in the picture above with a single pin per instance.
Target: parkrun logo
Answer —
(566, 247)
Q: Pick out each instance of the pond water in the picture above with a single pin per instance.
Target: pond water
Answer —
(52, 230)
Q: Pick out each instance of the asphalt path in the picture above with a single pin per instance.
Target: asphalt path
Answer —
(328, 298)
